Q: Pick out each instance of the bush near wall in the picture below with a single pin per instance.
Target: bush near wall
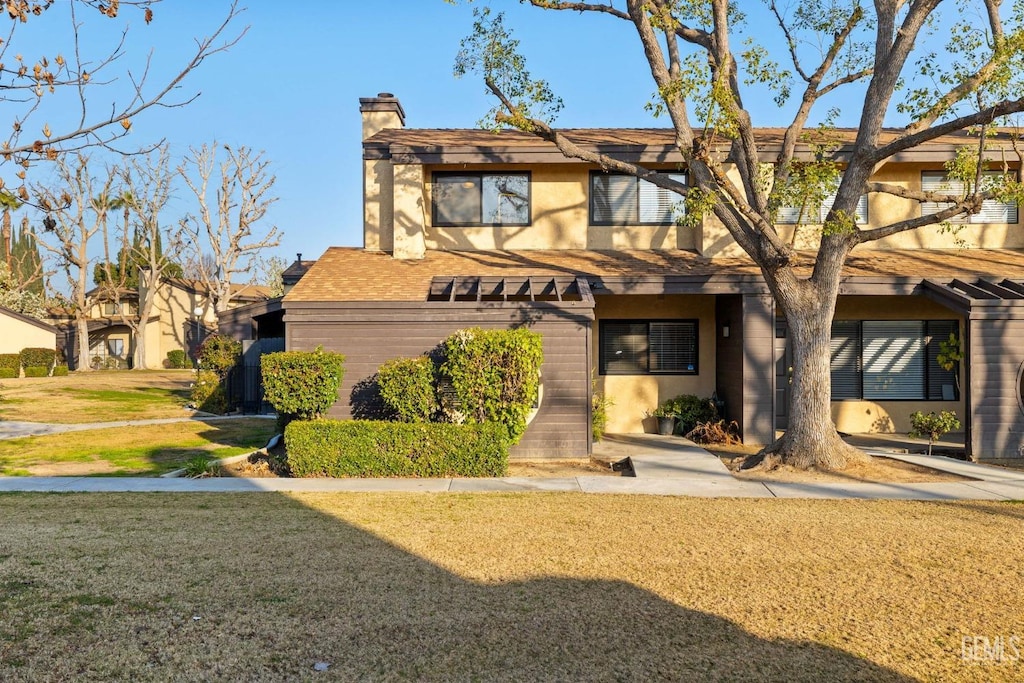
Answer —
(219, 354)
(335, 448)
(208, 393)
(407, 388)
(9, 373)
(10, 361)
(37, 371)
(302, 384)
(177, 359)
(37, 357)
(60, 370)
(495, 375)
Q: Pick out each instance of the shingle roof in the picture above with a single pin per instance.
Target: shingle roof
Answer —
(353, 274)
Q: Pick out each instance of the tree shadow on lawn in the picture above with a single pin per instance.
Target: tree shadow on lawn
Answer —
(270, 605)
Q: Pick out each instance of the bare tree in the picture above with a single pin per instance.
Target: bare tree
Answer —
(941, 81)
(77, 211)
(227, 226)
(64, 77)
(144, 258)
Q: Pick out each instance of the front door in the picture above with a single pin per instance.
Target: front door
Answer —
(783, 374)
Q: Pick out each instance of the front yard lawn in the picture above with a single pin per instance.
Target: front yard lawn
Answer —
(97, 396)
(131, 451)
(505, 587)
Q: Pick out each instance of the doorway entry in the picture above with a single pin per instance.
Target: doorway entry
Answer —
(783, 374)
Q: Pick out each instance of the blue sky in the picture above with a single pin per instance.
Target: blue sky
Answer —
(291, 87)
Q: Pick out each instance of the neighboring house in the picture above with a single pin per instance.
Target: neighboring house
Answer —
(472, 227)
(19, 331)
(183, 316)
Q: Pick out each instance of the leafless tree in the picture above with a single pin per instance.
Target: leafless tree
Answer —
(227, 225)
(74, 218)
(41, 83)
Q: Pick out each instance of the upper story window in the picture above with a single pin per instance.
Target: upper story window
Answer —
(472, 198)
(111, 308)
(992, 211)
(815, 215)
(628, 200)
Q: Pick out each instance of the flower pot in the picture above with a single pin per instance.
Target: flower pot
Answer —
(666, 425)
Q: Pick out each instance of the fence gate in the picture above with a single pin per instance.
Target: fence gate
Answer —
(244, 383)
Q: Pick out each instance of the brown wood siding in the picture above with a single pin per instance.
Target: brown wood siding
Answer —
(560, 429)
(758, 369)
(729, 356)
(745, 373)
(994, 356)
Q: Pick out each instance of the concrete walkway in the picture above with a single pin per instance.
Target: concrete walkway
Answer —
(668, 466)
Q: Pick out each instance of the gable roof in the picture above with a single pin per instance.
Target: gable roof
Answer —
(27, 319)
(351, 274)
(243, 292)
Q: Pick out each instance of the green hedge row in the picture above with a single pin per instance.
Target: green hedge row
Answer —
(10, 360)
(335, 448)
(38, 358)
(8, 373)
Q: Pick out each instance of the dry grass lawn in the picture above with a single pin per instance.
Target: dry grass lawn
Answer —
(131, 451)
(97, 396)
(503, 587)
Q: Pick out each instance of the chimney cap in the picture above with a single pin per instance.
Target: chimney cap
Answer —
(384, 101)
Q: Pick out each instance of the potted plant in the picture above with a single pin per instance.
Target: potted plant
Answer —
(666, 420)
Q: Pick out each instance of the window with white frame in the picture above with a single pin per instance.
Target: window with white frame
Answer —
(815, 215)
(642, 347)
(475, 199)
(628, 200)
(891, 360)
(992, 210)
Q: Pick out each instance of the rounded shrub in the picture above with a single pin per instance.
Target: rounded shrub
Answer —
(37, 357)
(494, 375)
(37, 371)
(302, 384)
(208, 393)
(10, 361)
(60, 370)
(407, 388)
(219, 354)
(177, 359)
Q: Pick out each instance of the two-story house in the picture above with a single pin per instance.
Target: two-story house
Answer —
(475, 228)
(183, 316)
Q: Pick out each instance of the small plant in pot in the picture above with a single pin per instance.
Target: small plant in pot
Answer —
(666, 419)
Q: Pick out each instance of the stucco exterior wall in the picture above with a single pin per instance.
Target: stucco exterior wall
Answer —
(865, 416)
(16, 335)
(635, 396)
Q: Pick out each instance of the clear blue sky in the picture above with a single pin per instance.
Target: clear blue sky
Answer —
(291, 88)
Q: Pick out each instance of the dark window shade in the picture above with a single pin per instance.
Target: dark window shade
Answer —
(627, 200)
(640, 348)
(468, 199)
(846, 370)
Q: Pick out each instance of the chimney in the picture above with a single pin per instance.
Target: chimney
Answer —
(380, 112)
(298, 257)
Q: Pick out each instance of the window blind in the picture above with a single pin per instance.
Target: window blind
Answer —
(992, 211)
(894, 359)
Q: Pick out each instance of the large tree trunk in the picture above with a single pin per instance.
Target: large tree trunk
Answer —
(82, 325)
(811, 440)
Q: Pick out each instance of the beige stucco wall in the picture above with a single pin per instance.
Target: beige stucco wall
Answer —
(175, 307)
(860, 416)
(378, 204)
(636, 395)
(411, 211)
(16, 335)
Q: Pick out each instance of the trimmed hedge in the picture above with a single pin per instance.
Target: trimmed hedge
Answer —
(60, 370)
(10, 360)
(177, 359)
(37, 357)
(690, 410)
(219, 354)
(8, 373)
(208, 393)
(335, 448)
(407, 388)
(302, 384)
(37, 371)
(495, 375)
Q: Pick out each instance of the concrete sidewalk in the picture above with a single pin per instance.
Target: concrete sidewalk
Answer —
(666, 466)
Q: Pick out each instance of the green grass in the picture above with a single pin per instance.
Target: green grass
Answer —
(484, 587)
(132, 451)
